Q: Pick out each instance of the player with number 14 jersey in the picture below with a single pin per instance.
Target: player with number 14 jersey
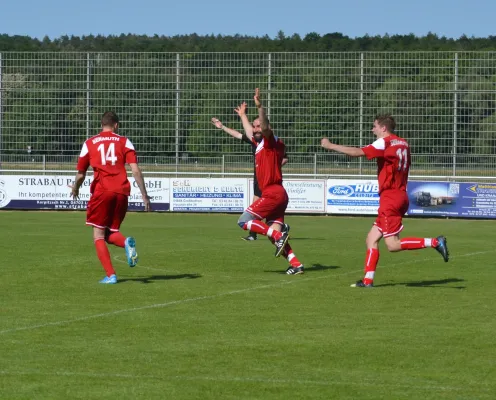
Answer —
(108, 153)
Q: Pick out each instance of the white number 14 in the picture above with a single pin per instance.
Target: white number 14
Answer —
(403, 156)
(110, 156)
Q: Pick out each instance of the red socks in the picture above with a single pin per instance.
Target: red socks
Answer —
(372, 257)
(117, 239)
(104, 256)
(261, 228)
(418, 243)
(290, 256)
(371, 260)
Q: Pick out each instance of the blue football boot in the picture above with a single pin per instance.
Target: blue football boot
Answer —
(132, 256)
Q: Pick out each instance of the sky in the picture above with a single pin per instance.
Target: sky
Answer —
(353, 18)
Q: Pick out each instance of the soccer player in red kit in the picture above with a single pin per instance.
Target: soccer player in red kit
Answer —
(253, 139)
(273, 202)
(393, 163)
(108, 153)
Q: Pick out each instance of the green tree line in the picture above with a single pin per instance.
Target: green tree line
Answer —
(238, 43)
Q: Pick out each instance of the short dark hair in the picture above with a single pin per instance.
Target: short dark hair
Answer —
(109, 118)
(386, 120)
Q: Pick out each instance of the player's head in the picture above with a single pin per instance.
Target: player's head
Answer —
(257, 130)
(384, 125)
(110, 121)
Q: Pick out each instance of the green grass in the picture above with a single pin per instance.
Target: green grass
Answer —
(208, 316)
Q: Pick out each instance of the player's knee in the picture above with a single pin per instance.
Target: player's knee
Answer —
(370, 242)
(241, 224)
(389, 246)
(244, 219)
(99, 234)
(393, 244)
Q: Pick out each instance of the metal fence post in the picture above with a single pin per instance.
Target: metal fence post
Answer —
(315, 164)
(1, 108)
(360, 164)
(223, 164)
(269, 76)
(177, 107)
(88, 96)
(455, 114)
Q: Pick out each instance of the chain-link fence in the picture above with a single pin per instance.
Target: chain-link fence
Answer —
(444, 103)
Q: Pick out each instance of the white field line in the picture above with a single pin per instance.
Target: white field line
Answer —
(209, 297)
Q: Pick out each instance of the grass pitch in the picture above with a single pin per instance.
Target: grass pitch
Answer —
(206, 315)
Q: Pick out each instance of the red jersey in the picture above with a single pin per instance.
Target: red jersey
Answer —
(268, 161)
(393, 162)
(108, 153)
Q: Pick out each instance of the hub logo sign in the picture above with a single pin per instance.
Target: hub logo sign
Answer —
(346, 196)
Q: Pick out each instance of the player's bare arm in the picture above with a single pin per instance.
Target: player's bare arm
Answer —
(138, 177)
(247, 126)
(78, 181)
(264, 121)
(219, 125)
(349, 151)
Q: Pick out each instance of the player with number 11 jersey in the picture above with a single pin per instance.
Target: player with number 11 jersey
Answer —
(393, 164)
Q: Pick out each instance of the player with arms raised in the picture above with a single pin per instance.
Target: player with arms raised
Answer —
(108, 153)
(393, 164)
(253, 136)
(273, 202)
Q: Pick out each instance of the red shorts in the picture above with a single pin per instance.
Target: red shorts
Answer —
(393, 204)
(271, 206)
(106, 210)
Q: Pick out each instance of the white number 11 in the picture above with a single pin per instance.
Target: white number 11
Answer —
(403, 156)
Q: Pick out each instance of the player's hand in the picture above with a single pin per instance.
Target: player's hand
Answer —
(241, 109)
(217, 123)
(147, 203)
(74, 192)
(326, 144)
(258, 103)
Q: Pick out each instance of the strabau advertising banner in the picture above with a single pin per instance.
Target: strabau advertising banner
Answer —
(352, 196)
(209, 195)
(52, 192)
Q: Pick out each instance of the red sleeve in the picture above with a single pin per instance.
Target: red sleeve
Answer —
(130, 153)
(84, 159)
(375, 149)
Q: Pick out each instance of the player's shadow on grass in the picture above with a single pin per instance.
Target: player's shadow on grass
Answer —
(436, 283)
(153, 278)
(313, 268)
